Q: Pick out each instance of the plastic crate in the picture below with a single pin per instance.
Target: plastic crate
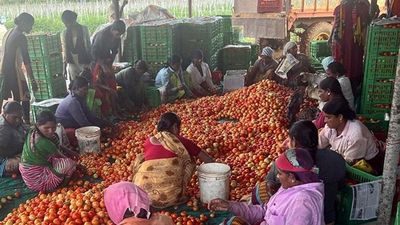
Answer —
(228, 38)
(375, 122)
(153, 97)
(320, 49)
(381, 40)
(343, 215)
(47, 68)
(380, 67)
(235, 57)
(269, 6)
(233, 81)
(255, 52)
(48, 89)
(226, 23)
(202, 28)
(376, 96)
(378, 92)
(43, 45)
(132, 45)
(46, 105)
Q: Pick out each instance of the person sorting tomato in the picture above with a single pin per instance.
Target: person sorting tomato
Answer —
(332, 169)
(12, 137)
(46, 162)
(128, 204)
(167, 165)
(299, 200)
(348, 136)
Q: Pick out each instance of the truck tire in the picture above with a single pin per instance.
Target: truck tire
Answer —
(315, 32)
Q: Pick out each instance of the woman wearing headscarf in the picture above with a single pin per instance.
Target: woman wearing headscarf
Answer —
(293, 64)
(332, 170)
(128, 204)
(15, 56)
(75, 42)
(263, 68)
(201, 82)
(299, 200)
(46, 162)
(167, 165)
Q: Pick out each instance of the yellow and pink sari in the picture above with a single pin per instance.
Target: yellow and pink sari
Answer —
(165, 180)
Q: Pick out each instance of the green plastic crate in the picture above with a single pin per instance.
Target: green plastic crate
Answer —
(47, 68)
(255, 52)
(46, 105)
(226, 23)
(228, 38)
(376, 96)
(397, 219)
(380, 67)
(234, 57)
(320, 49)
(153, 97)
(48, 89)
(346, 194)
(43, 45)
(132, 50)
(381, 40)
(378, 124)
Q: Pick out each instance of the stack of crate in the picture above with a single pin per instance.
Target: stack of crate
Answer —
(318, 51)
(158, 43)
(201, 33)
(47, 66)
(380, 71)
(131, 48)
(226, 29)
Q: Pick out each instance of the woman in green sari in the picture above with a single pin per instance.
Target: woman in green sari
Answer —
(43, 164)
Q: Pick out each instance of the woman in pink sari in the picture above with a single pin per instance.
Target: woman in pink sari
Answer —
(43, 164)
(128, 204)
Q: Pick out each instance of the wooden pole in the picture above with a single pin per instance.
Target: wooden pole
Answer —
(391, 156)
(190, 8)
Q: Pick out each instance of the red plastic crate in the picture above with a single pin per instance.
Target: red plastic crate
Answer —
(269, 6)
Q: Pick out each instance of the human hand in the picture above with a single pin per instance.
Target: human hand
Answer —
(218, 205)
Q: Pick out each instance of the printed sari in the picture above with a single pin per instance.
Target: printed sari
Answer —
(43, 167)
(165, 180)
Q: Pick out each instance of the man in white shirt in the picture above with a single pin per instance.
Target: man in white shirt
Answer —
(200, 76)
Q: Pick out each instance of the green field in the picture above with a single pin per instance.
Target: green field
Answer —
(47, 13)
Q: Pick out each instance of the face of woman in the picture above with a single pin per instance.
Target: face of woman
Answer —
(14, 119)
(82, 92)
(324, 95)
(48, 129)
(286, 179)
(197, 61)
(332, 121)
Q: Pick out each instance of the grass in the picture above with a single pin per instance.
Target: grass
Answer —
(94, 13)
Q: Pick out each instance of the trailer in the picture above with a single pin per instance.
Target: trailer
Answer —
(271, 21)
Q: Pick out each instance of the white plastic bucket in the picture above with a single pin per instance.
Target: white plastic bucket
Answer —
(213, 181)
(88, 139)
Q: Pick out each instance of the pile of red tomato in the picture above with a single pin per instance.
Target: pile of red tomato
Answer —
(248, 144)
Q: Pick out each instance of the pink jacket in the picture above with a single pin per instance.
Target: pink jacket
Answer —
(299, 205)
